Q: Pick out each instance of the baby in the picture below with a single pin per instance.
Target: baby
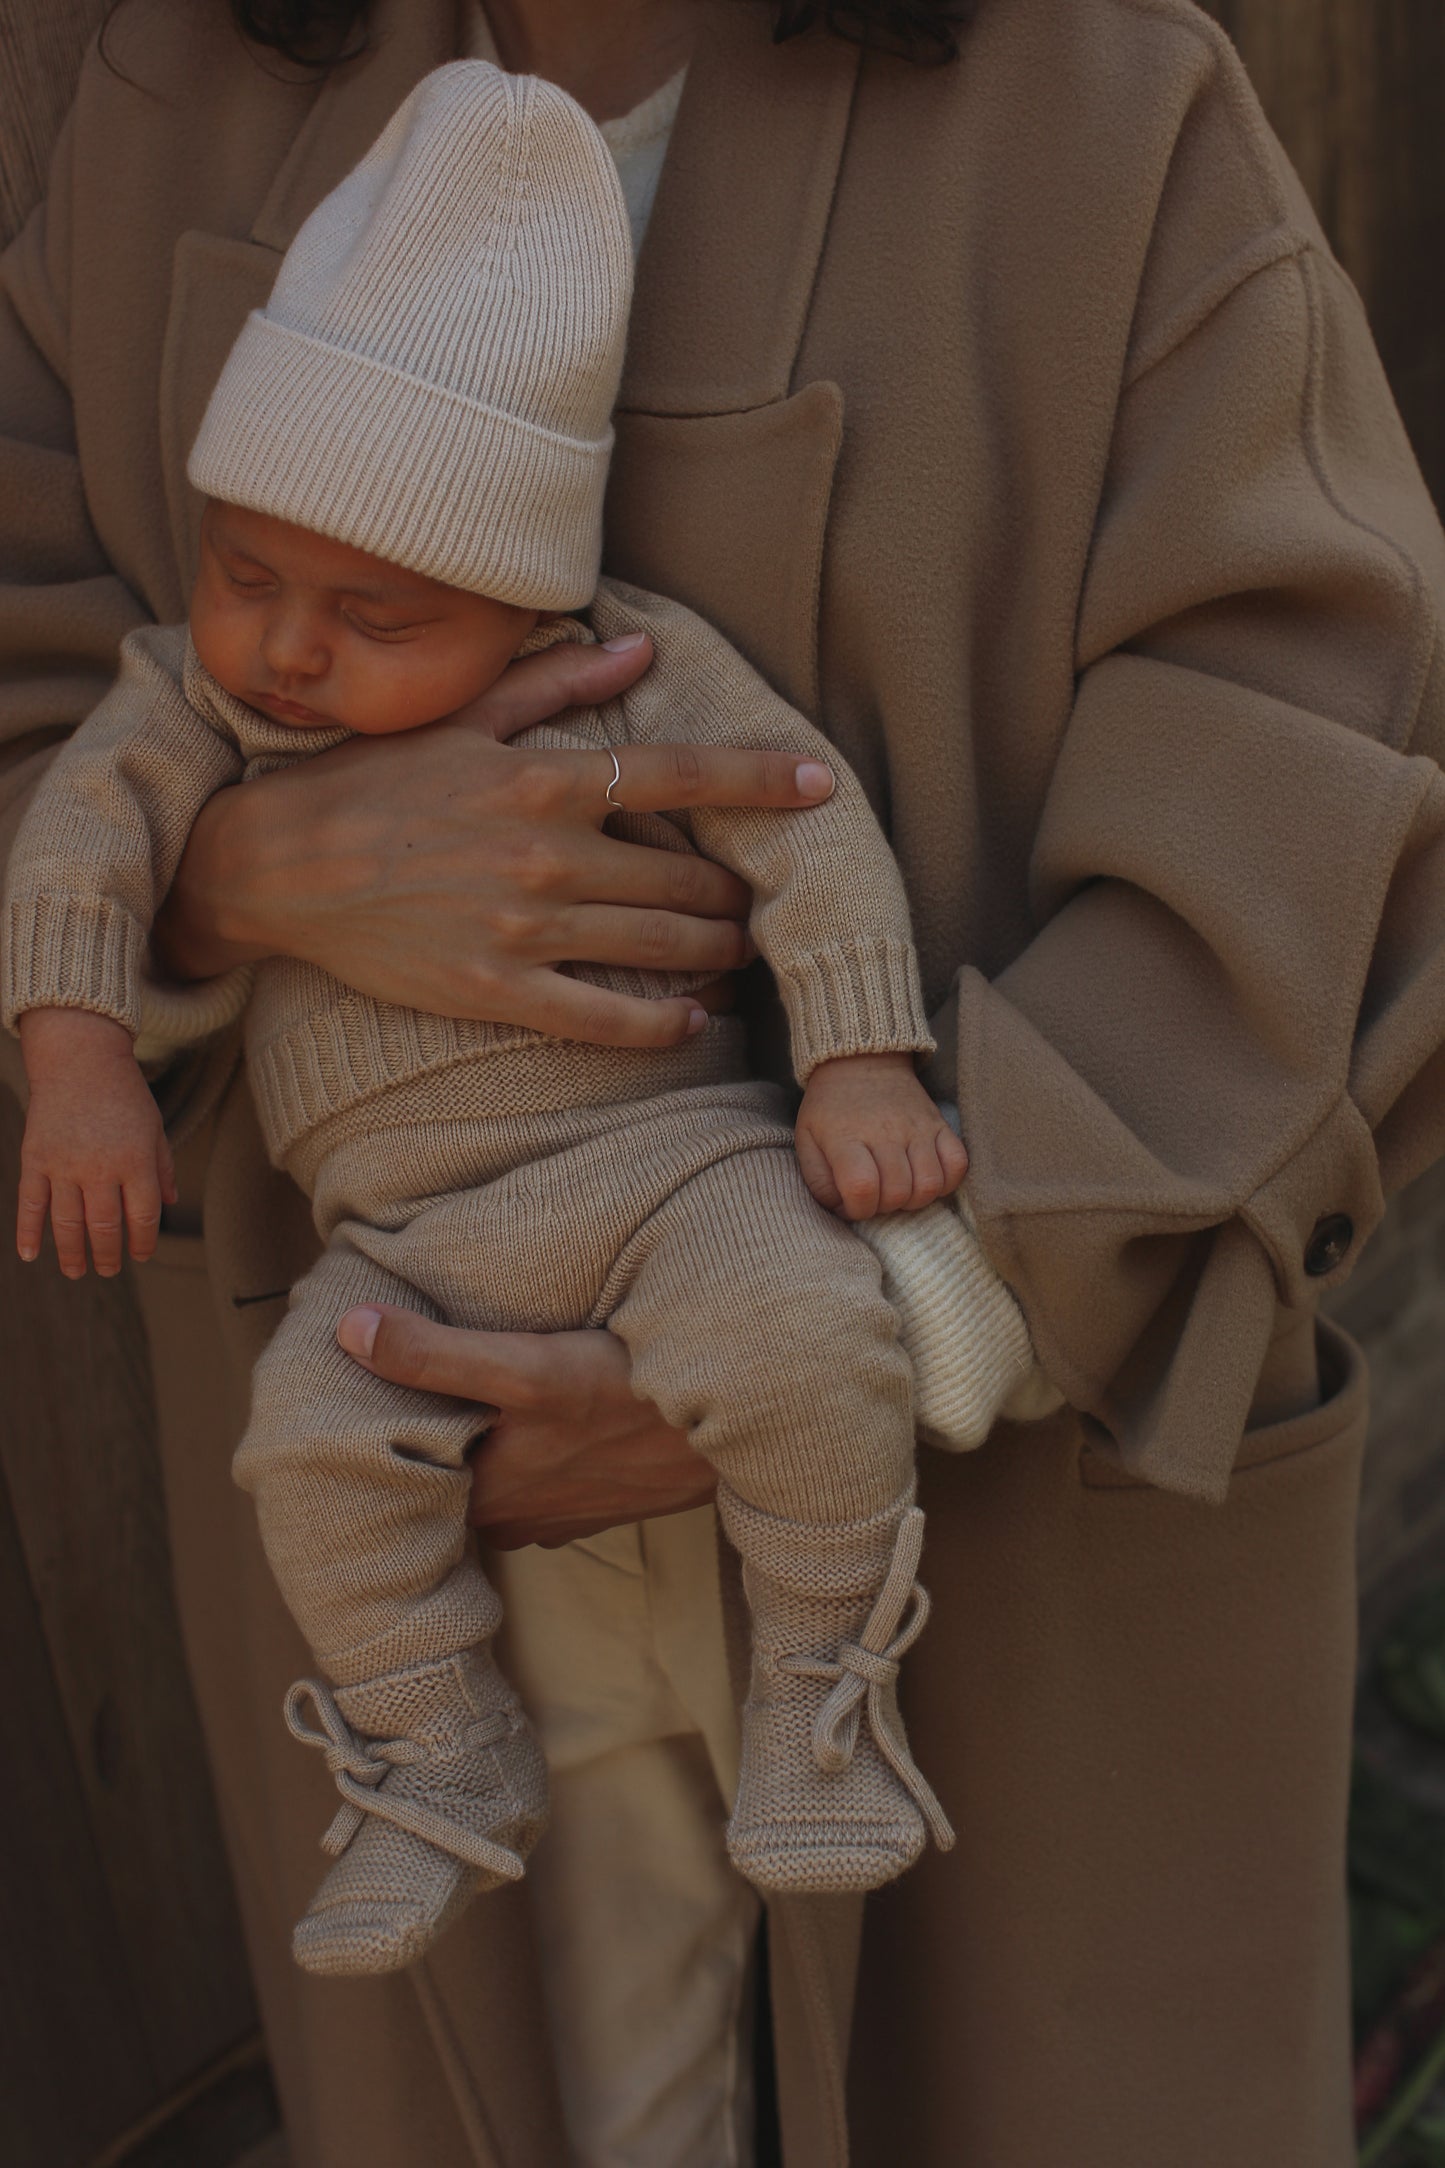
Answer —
(404, 462)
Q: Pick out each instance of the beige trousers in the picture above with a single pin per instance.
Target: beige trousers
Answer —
(644, 1930)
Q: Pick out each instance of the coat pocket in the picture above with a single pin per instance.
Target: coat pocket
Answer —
(215, 285)
(1342, 1411)
(728, 513)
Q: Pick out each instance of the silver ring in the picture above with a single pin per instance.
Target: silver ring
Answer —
(615, 779)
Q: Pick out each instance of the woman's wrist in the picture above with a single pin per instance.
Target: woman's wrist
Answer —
(210, 921)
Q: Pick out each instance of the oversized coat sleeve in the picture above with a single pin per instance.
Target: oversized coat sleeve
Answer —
(1185, 1100)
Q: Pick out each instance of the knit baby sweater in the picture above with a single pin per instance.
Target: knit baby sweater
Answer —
(101, 843)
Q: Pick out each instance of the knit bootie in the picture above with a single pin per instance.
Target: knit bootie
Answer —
(445, 1794)
(829, 1798)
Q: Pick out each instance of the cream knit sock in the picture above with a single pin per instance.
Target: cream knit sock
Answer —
(961, 1329)
(829, 1798)
(446, 1793)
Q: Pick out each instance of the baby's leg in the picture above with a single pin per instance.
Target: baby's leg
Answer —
(755, 1320)
(361, 1490)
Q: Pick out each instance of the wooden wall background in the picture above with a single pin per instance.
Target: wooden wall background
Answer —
(122, 1980)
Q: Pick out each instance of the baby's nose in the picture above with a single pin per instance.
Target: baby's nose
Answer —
(293, 649)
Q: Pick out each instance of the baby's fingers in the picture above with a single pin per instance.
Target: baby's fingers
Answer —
(30, 1213)
(67, 1224)
(166, 1170)
(142, 1197)
(816, 1172)
(895, 1177)
(105, 1223)
(859, 1181)
(925, 1161)
(953, 1158)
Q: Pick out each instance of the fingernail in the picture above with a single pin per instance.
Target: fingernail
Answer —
(623, 642)
(813, 780)
(696, 1022)
(357, 1333)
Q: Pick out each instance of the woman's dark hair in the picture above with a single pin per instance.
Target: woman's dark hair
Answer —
(318, 33)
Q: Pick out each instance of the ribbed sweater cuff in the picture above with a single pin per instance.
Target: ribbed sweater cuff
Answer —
(66, 952)
(857, 998)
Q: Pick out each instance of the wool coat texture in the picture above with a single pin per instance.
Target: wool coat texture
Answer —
(1014, 420)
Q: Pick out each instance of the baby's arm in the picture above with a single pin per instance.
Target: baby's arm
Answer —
(871, 1140)
(95, 1156)
(830, 916)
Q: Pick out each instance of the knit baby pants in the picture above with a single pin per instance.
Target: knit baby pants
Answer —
(753, 1318)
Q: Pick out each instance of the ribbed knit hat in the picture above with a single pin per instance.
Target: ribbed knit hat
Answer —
(432, 379)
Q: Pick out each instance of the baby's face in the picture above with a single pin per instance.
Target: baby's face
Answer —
(313, 632)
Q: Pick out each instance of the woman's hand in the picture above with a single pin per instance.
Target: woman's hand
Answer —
(571, 1449)
(442, 870)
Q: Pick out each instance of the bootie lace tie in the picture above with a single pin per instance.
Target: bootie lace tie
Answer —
(359, 1766)
(865, 1674)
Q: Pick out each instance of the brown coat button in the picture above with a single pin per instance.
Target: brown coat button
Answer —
(1329, 1245)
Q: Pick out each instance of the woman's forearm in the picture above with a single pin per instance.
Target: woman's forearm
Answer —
(211, 920)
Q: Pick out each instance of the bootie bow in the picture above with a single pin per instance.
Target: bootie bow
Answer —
(360, 1766)
(865, 1676)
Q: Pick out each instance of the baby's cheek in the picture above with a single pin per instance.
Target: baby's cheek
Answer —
(384, 694)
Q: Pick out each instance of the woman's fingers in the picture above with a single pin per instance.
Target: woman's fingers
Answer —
(567, 1008)
(31, 1208)
(495, 1369)
(570, 675)
(666, 778)
(605, 869)
(655, 940)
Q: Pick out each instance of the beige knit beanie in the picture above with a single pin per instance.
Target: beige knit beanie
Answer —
(432, 379)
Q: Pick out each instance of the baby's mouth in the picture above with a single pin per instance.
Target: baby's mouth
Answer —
(291, 711)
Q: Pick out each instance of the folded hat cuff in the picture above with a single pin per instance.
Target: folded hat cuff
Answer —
(408, 471)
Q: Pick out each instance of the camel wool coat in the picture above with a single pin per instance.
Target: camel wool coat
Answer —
(1013, 418)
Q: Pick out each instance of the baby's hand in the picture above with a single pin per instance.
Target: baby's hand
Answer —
(871, 1140)
(95, 1155)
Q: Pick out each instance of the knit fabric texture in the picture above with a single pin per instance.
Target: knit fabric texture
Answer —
(962, 1330)
(753, 1320)
(432, 378)
(100, 845)
(444, 1794)
(829, 1797)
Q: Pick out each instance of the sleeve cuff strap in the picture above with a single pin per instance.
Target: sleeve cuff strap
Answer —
(857, 998)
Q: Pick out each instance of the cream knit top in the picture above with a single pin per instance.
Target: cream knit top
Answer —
(101, 842)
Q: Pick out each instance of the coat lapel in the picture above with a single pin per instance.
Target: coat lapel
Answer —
(723, 474)
(752, 164)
